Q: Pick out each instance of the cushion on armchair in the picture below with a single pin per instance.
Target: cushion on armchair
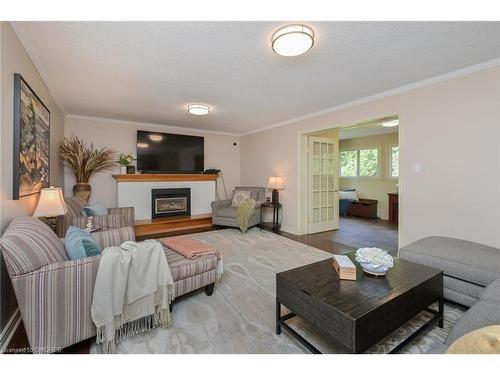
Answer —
(128, 214)
(105, 221)
(75, 206)
(228, 212)
(28, 244)
(97, 209)
(114, 237)
(239, 197)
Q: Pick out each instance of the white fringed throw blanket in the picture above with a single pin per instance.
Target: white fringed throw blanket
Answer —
(132, 292)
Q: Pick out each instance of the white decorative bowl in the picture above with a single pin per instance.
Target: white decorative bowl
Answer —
(374, 269)
(374, 261)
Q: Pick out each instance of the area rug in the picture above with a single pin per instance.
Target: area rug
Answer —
(240, 316)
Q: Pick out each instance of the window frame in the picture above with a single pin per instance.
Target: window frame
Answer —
(389, 171)
(358, 149)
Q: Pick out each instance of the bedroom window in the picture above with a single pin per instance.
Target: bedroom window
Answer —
(348, 163)
(394, 161)
(359, 163)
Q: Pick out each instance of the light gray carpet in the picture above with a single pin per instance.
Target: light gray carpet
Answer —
(240, 316)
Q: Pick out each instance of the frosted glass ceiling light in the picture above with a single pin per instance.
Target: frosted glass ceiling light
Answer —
(198, 109)
(390, 124)
(293, 40)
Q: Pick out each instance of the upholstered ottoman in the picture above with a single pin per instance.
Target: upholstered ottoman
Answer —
(192, 274)
(468, 266)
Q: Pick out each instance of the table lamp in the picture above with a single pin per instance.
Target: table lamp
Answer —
(275, 183)
(50, 205)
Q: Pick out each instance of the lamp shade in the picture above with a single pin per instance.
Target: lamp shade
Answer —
(275, 183)
(51, 203)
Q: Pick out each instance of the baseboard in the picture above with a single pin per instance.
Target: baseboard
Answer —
(292, 230)
(9, 330)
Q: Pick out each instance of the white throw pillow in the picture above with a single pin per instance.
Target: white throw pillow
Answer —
(350, 195)
(239, 197)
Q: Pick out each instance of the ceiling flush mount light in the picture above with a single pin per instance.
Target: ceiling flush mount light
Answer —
(198, 109)
(293, 40)
(390, 124)
(156, 137)
(142, 145)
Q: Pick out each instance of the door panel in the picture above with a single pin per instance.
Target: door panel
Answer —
(323, 196)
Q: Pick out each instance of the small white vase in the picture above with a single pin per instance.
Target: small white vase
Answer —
(123, 169)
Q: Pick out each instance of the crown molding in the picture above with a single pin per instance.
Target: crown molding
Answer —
(384, 94)
(138, 123)
(38, 66)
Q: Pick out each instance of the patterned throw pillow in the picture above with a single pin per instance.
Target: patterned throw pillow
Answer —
(239, 197)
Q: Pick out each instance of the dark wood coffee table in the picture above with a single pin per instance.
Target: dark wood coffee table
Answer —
(358, 314)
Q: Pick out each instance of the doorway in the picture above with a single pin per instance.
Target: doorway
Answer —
(351, 184)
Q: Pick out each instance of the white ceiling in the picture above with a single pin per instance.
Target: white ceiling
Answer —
(150, 71)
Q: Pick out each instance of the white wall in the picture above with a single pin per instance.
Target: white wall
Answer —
(121, 136)
(375, 187)
(450, 129)
(14, 59)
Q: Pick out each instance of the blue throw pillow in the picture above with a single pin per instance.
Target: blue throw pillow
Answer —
(80, 244)
(97, 209)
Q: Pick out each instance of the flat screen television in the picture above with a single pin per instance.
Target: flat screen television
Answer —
(169, 153)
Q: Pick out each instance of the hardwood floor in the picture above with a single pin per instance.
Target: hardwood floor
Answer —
(358, 232)
(319, 242)
(353, 233)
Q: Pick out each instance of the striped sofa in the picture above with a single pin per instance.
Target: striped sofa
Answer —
(55, 294)
(116, 217)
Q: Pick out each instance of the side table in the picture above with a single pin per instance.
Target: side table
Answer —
(276, 214)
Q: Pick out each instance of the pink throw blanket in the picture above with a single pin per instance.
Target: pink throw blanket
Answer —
(189, 248)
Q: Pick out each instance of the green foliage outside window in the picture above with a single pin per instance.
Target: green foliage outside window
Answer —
(349, 163)
(356, 163)
(368, 162)
(395, 161)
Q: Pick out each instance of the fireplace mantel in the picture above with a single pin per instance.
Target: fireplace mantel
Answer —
(164, 177)
(134, 190)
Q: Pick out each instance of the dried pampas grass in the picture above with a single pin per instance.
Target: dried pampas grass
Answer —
(84, 159)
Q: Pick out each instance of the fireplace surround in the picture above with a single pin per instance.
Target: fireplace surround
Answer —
(170, 202)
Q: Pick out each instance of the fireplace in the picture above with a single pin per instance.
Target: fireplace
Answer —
(170, 202)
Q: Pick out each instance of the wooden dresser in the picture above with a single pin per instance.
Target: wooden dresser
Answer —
(393, 207)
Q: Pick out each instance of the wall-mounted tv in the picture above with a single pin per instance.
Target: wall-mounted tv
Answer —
(169, 153)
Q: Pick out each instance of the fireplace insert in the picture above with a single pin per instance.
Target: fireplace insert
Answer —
(170, 202)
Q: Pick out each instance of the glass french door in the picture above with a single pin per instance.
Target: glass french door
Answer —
(323, 184)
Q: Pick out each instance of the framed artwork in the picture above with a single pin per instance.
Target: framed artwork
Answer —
(31, 141)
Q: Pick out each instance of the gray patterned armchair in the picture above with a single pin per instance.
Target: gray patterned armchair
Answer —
(225, 215)
(54, 293)
(116, 217)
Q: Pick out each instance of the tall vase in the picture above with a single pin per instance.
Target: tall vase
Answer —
(82, 190)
